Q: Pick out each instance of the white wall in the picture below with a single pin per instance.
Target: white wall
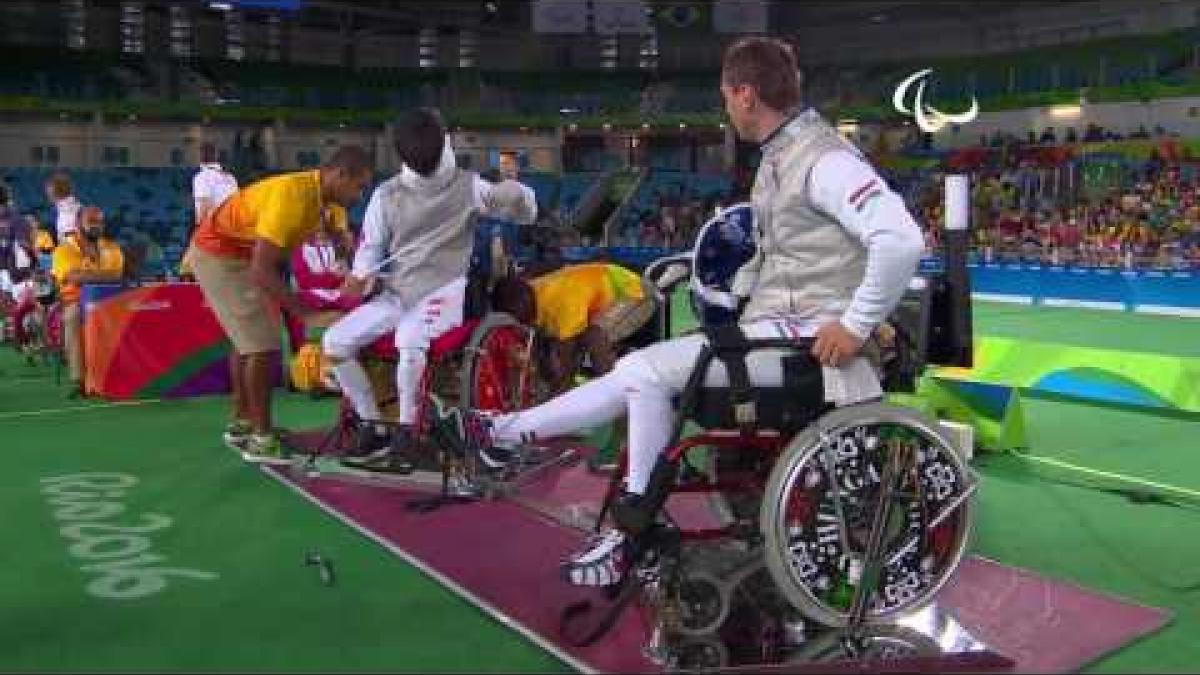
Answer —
(81, 141)
(542, 147)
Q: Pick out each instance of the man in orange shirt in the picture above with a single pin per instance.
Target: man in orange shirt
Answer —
(237, 251)
(84, 256)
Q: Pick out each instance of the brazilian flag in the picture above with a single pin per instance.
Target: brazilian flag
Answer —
(672, 15)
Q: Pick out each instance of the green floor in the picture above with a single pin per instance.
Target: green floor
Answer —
(266, 611)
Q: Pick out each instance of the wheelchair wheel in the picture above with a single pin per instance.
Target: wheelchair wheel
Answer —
(829, 497)
(498, 372)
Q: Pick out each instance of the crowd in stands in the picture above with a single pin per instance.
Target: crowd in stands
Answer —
(1152, 220)
(1092, 133)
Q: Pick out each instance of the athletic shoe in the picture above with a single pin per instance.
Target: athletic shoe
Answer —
(396, 458)
(265, 449)
(372, 438)
(236, 434)
(461, 487)
(476, 435)
(602, 562)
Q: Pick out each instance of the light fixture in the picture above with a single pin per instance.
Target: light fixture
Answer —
(683, 125)
(573, 127)
(645, 125)
(606, 126)
(1067, 111)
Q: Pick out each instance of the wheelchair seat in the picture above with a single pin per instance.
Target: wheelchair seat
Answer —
(786, 409)
(449, 342)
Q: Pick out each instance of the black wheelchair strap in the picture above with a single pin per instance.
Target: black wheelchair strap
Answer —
(729, 344)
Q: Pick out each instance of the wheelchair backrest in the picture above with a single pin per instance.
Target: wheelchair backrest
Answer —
(903, 362)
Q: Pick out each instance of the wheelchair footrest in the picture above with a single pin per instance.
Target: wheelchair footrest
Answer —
(530, 464)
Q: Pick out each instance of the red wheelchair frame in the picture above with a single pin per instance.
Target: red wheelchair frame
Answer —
(476, 357)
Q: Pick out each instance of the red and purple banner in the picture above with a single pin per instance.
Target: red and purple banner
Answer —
(154, 341)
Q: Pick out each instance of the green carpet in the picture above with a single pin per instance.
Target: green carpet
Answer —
(267, 611)
(1089, 328)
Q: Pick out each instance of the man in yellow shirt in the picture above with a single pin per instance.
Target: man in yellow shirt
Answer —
(83, 257)
(589, 307)
(237, 252)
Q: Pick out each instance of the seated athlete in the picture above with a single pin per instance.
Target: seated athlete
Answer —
(837, 249)
(587, 308)
(419, 226)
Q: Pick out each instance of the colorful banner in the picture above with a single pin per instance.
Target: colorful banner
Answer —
(154, 341)
(1170, 292)
(1123, 377)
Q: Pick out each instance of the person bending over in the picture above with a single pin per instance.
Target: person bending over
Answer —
(587, 308)
(237, 253)
(837, 250)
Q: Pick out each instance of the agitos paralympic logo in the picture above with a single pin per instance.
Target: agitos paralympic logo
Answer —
(929, 119)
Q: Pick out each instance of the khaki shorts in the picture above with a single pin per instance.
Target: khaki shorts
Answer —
(242, 309)
(626, 317)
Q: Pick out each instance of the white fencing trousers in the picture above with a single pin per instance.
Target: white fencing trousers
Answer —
(644, 384)
(414, 328)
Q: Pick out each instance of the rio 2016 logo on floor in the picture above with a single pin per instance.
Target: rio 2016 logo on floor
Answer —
(117, 555)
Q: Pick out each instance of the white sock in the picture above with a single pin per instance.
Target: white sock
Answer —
(355, 384)
(410, 366)
(651, 418)
(590, 405)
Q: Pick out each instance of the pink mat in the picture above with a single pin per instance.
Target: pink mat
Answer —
(1043, 625)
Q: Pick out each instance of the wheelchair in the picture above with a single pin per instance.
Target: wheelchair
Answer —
(486, 363)
(40, 323)
(825, 525)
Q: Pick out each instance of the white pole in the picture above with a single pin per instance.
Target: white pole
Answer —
(958, 202)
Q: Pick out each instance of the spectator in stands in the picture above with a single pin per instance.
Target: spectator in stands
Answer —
(66, 207)
(418, 225)
(84, 256)
(43, 241)
(13, 243)
(211, 186)
(1048, 137)
(237, 254)
(510, 201)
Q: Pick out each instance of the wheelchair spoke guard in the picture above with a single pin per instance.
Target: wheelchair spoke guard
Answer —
(869, 496)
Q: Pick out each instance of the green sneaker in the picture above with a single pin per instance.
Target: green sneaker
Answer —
(265, 449)
(237, 433)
